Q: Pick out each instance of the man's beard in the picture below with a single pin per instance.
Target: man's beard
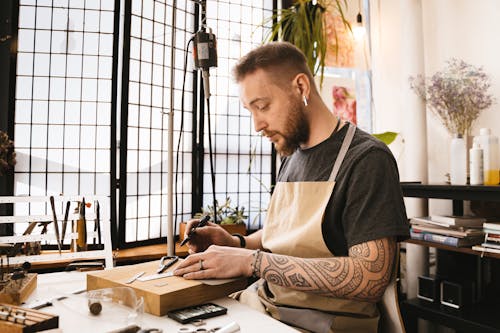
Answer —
(296, 131)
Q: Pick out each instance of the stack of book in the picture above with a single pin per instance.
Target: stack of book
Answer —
(492, 238)
(458, 231)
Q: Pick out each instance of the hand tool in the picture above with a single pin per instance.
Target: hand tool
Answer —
(203, 222)
(56, 226)
(65, 221)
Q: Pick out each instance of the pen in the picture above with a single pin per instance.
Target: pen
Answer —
(43, 304)
(203, 222)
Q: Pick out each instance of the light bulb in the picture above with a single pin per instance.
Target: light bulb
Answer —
(359, 29)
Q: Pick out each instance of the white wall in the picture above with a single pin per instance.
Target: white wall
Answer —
(464, 29)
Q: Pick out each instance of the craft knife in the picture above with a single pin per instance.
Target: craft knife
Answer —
(135, 277)
(156, 276)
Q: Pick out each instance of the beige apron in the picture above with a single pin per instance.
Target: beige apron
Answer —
(296, 213)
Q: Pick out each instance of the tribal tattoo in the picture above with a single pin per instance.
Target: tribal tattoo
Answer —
(363, 275)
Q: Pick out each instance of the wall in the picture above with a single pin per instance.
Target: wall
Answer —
(464, 29)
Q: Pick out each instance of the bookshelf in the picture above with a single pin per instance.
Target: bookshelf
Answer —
(482, 317)
(467, 250)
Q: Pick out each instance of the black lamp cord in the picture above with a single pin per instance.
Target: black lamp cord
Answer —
(211, 155)
(181, 130)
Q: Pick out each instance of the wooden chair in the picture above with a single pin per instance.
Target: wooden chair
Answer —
(391, 320)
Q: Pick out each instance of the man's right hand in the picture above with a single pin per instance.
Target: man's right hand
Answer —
(205, 236)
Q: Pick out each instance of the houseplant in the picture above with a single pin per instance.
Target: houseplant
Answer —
(7, 162)
(303, 24)
(231, 218)
(7, 154)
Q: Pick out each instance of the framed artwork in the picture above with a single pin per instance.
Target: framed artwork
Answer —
(346, 85)
(347, 92)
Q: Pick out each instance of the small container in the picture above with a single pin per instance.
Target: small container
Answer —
(489, 144)
(458, 161)
(476, 164)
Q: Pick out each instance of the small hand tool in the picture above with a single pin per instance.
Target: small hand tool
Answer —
(81, 228)
(65, 221)
(135, 277)
(97, 225)
(203, 222)
(56, 226)
(166, 262)
(156, 276)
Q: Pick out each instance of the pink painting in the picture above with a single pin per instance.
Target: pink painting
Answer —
(344, 104)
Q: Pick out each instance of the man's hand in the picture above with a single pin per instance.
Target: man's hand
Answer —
(211, 234)
(217, 262)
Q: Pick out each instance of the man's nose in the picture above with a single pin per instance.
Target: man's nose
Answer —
(258, 123)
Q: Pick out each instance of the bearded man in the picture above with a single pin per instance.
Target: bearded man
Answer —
(327, 249)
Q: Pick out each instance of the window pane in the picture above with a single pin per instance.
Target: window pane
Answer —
(57, 133)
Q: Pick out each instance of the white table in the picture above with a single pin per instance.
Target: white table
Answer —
(73, 319)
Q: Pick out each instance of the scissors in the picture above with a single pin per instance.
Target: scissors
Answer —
(166, 262)
(196, 330)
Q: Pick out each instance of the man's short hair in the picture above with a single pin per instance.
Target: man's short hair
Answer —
(282, 60)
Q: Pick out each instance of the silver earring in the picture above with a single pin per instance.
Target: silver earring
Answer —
(305, 100)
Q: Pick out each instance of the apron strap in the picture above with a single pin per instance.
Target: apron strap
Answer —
(343, 150)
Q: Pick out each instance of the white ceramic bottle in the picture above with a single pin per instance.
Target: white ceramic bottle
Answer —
(489, 144)
(476, 164)
(458, 161)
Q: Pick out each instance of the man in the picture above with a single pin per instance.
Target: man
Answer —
(325, 254)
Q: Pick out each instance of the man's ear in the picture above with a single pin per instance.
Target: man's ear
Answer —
(302, 85)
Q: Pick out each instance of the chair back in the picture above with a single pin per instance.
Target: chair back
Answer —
(54, 216)
(391, 320)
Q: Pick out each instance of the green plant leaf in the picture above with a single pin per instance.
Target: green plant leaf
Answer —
(303, 24)
(386, 137)
(226, 214)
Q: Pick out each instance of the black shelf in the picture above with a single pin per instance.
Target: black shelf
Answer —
(476, 318)
(453, 192)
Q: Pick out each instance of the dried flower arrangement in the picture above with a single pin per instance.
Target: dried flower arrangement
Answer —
(457, 94)
(7, 154)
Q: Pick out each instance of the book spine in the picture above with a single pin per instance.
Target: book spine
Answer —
(447, 240)
(491, 245)
(416, 235)
(485, 249)
(493, 229)
(493, 239)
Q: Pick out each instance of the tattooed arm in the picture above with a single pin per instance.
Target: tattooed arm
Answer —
(363, 275)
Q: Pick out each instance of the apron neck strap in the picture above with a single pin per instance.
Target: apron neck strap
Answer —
(343, 150)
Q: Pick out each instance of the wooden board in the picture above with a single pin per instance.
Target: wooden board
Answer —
(158, 297)
(16, 292)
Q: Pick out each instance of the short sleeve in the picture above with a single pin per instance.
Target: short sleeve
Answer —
(374, 206)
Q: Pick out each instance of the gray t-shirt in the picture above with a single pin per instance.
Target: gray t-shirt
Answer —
(367, 201)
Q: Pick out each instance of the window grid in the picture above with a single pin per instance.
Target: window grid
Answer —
(63, 98)
(147, 122)
(63, 113)
(242, 158)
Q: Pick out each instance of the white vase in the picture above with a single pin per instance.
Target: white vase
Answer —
(458, 161)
